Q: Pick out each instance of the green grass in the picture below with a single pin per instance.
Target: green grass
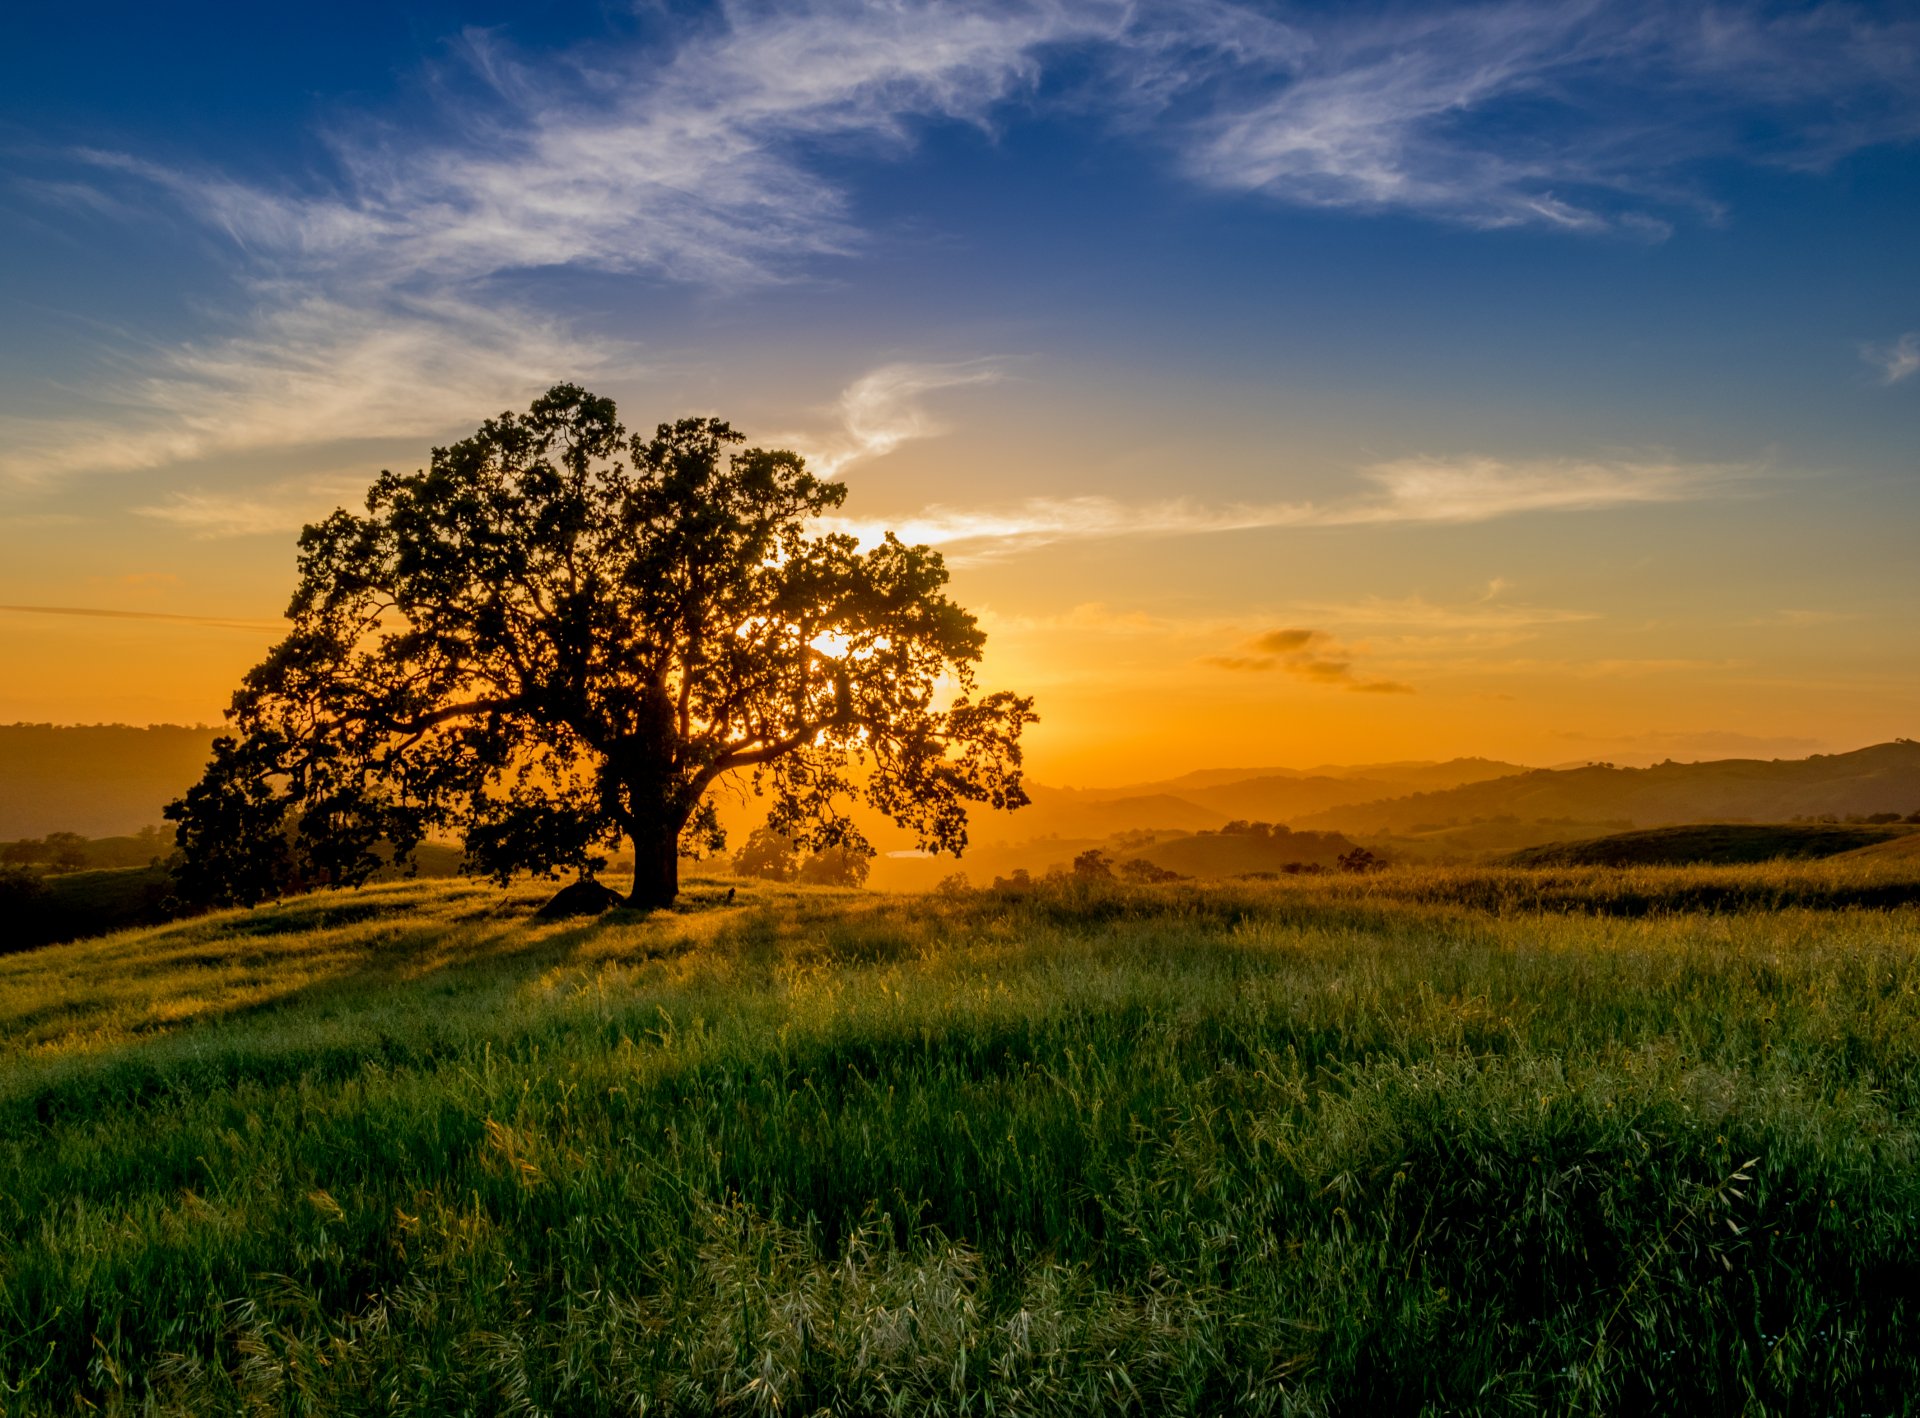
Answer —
(1717, 843)
(1419, 1141)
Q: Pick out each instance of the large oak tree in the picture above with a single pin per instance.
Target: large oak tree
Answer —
(556, 637)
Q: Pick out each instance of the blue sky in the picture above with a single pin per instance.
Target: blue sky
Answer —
(1587, 336)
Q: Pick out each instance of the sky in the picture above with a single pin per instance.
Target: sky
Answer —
(1283, 384)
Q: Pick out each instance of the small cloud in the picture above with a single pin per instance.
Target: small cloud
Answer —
(1897, 360)
(1282, 642)
(1798, 619)
(881, 410)
(285, 507)
(1306, 654)
(212, 515)
(1421, 491)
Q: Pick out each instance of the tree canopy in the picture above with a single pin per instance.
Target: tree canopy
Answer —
(557, 636)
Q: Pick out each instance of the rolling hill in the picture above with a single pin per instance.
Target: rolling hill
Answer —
(1716, 843)
(1883, 778)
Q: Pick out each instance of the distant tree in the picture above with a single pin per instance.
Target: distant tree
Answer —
(1092, 866)
(1360, 859)
(1139, 869)
(556, 637)
(767, 854)
(835, 866)
(65, 851)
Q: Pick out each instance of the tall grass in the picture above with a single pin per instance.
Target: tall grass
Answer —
(1326, 1146)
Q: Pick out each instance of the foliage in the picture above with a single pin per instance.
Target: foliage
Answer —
(772, 855)
(767, 854)
(557, 636)
(1323, 1145)
(834, 866)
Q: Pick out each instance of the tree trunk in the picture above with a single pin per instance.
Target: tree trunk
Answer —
(656, 867)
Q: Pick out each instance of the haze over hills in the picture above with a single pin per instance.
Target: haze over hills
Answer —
(100, 780)
(105, 780)
(1213, 797)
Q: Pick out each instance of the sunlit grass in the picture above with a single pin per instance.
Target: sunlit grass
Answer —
(1338, 1144)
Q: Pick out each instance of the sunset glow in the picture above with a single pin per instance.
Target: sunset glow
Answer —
(1283, 386)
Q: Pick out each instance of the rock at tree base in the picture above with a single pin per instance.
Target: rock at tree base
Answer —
(583, 898)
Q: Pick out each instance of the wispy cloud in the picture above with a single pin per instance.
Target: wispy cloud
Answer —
(1419, 614)
(391, 298)
(883, 409)
(1405, 491)
(1312, 655)
(1896, 360)
(375, 307)
(99, 613)
(259, 509)
(1574, 116)
(307, 368)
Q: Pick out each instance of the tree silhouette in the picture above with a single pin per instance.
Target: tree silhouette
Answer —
(556, 637)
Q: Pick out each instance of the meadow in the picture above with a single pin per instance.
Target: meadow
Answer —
(1445, 1141)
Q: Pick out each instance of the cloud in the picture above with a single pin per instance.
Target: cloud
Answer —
(881, 410)
(1410, 491)
(1897, 360)
(390, 294)
(308, 368)
(379, 305)
(212, 515)
(97, 613)
(1305, 654)
(1565, 116)
(1418, 613)
(1801, 619)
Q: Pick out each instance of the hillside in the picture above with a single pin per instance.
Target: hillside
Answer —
(1063, 1151)
(1717, 843)
(1883, 778)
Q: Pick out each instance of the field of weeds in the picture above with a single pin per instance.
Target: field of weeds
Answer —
(1491, 1141)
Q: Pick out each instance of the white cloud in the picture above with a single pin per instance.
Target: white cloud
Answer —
(374, 302)
(1574, 116)
(883, 409)
(372, 306)
(309, 368)
(1896, 360)
(1408, 491)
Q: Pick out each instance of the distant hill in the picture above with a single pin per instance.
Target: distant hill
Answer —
(100, 780)
(1061, 812)
(1883, 778)
(1404, 777)
(1225, 854)
(1212, 797)
(1715, 843)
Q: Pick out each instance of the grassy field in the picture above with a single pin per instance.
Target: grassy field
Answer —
(1494, 1141)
